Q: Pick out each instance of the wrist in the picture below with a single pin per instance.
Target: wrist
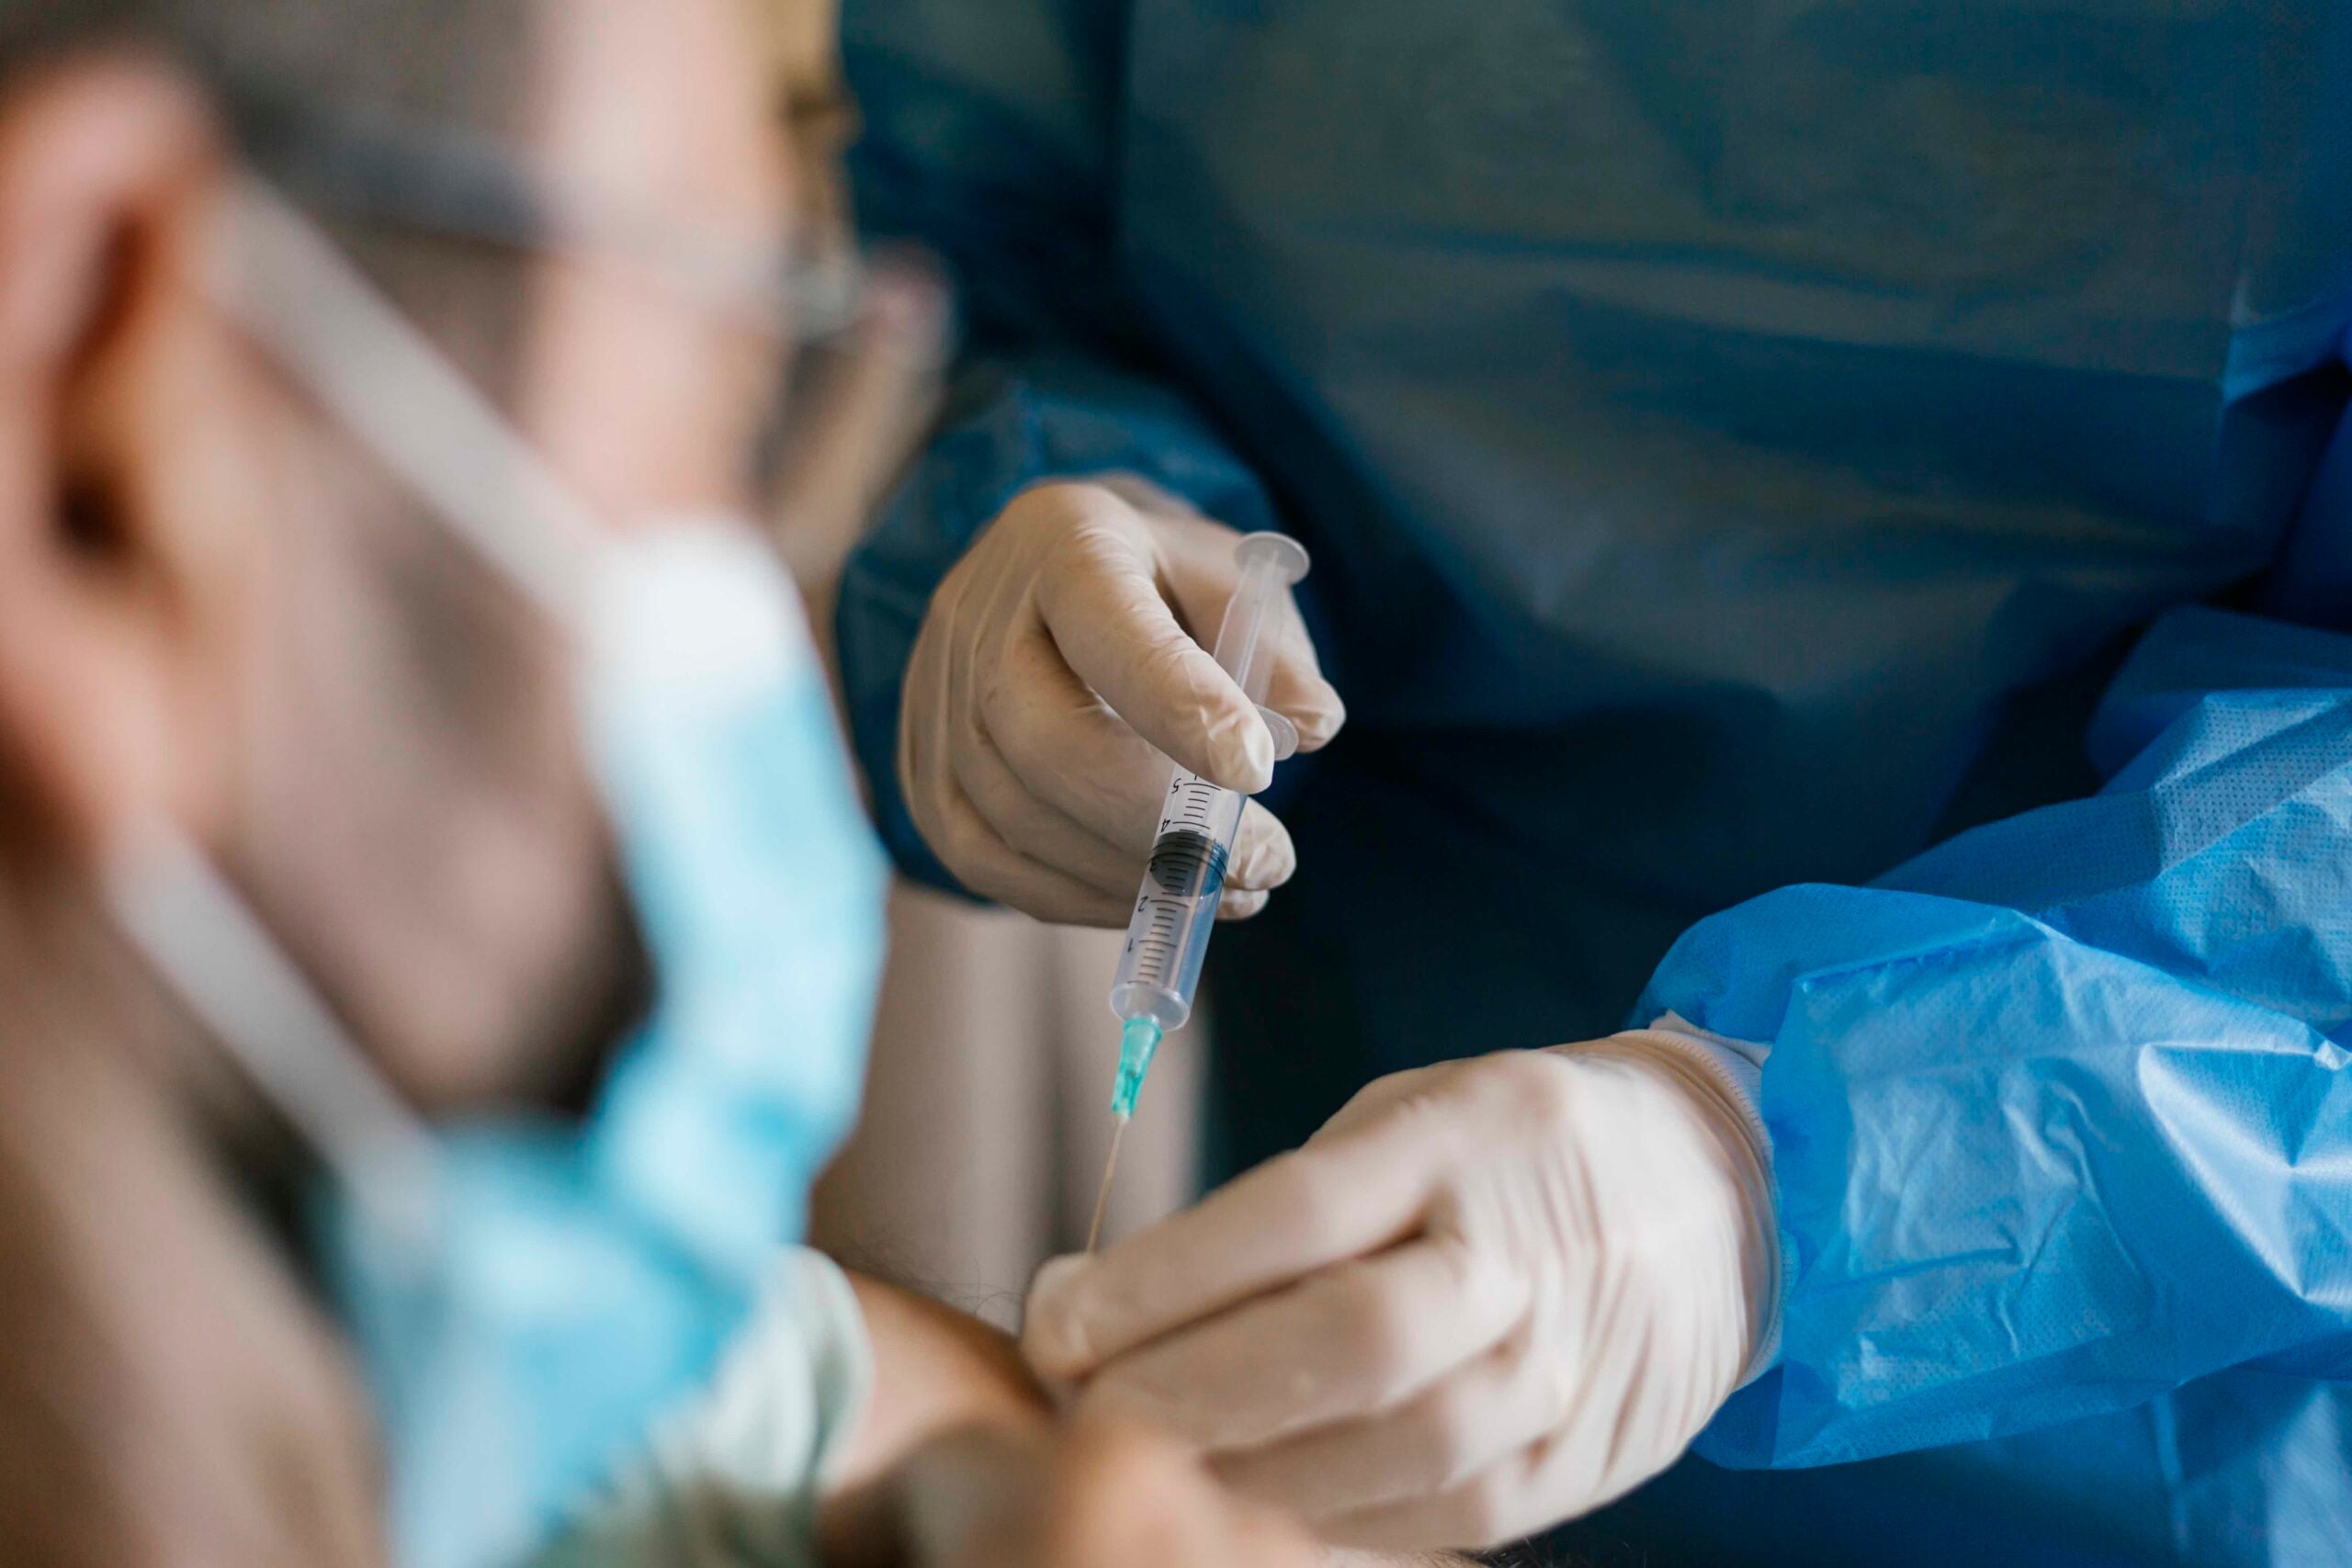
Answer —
(936, 1370)
(1731, 1136)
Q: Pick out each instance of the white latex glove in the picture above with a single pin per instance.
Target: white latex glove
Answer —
(1488, 1295)
(1056, 663)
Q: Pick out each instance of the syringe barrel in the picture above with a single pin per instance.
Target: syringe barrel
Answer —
(1167, 936)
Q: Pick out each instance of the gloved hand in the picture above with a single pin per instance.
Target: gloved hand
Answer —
(1488, 1295)
(1062, 649)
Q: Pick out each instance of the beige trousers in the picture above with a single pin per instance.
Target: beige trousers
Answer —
(987, 1109)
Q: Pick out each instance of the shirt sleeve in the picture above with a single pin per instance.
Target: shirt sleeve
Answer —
(733, 1480)
(2059, 1110)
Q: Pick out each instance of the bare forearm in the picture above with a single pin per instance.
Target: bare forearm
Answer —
(935, 1371)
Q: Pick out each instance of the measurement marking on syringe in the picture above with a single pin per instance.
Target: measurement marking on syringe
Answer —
(1188, 865)
(1174, 913)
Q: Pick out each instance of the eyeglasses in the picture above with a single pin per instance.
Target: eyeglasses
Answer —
(374, 168)
(848, 405)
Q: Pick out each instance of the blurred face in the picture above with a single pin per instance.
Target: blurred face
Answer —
(218, 608)
(495, 942)
(419, 823)
(257, 631)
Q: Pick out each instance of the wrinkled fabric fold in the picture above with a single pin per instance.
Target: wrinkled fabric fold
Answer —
(2059, 1122)
(1738, 444)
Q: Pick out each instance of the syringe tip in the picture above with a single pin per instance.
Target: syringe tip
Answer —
(1138, 1042)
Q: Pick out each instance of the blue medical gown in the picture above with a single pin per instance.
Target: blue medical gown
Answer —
(1839, 512)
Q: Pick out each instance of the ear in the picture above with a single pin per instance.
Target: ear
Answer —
(115, 378)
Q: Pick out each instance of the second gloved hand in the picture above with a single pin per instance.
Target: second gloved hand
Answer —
(1488, 1295)
(1056, 665)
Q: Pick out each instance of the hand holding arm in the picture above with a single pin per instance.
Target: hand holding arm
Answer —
(1487, 1295)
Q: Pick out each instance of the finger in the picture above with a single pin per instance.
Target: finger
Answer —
(1261, 1538)
(1035, 831)
(1297, 1213)
(1381, 1098)
(863, 412)
(953, 1494)
(1498, 1504)
(1061, 740)
(1202, 576)
(1296, 688)
(1481, 1413)
(953, 829)
(1125, 1494)
(1126, 1498)
(985, 864)
(1031, 828)
(1263, 856)
(1069, 747)
(1360, 1338)
(1102, 605)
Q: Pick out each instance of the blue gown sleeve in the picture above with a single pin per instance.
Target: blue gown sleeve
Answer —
(2059, 1112)
(988, 138)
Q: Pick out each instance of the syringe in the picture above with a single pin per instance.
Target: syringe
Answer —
(1167, 937)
